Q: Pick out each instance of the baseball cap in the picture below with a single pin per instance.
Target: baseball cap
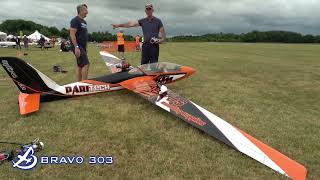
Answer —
(149, 5)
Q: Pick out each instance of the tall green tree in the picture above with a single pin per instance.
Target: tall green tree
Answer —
(64, 33)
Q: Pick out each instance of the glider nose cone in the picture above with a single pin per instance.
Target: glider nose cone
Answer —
(188, 70)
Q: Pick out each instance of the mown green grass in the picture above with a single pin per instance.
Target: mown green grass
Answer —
(270, 91)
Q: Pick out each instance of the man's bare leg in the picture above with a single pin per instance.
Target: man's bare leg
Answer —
(122, 55)
(84, 72)
(79, 73)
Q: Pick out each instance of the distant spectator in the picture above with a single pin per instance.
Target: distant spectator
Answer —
(26, 42)
(120, 43)
(53, 41)
(138, 42)
(64, 47)
(18, 43)
(42, 42)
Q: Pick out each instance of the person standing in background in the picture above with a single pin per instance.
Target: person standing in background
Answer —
(138, 42)
(120, 43)
(53, 41)
(42, 42)
(18, 43)
(26, 42)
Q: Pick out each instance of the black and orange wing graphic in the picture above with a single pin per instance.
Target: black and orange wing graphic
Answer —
(211, 124)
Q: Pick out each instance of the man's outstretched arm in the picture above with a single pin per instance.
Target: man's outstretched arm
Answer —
(126, 25)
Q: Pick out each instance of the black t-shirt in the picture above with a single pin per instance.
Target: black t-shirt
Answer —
(25, 40)
(18, 40)
(82, 32)
(42, 40)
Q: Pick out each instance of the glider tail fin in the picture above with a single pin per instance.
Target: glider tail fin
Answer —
(28, 79)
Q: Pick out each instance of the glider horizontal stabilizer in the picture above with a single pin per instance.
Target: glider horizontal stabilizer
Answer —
(29, 103)
(215, 126)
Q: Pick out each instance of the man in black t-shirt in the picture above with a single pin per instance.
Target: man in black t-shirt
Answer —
(153, 32)
(79, 39)
(42, 42)
(18, 45)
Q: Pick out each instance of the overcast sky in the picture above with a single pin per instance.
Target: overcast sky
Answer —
(179, 17)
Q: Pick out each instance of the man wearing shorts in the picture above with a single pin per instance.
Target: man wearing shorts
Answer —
(120, 42)
(79, 39)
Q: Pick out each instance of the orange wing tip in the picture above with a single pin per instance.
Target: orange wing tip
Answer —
(29, 103)
(292, 168)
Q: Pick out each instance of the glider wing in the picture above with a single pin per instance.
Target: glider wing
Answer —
(211, 124)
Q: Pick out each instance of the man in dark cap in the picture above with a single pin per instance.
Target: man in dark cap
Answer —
(153, 32)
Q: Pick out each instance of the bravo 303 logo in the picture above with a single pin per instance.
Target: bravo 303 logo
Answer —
(26, 161)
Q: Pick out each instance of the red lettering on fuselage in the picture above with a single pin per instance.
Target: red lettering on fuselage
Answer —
(77, 89)
(68, 90)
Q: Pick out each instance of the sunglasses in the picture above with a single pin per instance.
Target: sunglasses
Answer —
(148, 9)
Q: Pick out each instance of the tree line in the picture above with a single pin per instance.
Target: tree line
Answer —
(254, 36)
(27, 27)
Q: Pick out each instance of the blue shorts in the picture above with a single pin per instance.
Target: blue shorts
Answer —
(83, 59)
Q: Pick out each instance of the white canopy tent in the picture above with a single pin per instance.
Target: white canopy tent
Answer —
(3, 36)
(36, 36)
(10, 36)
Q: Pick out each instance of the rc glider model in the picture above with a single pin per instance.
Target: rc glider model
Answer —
(148, 81)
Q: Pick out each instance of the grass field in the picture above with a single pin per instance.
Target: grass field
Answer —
(271, 91)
